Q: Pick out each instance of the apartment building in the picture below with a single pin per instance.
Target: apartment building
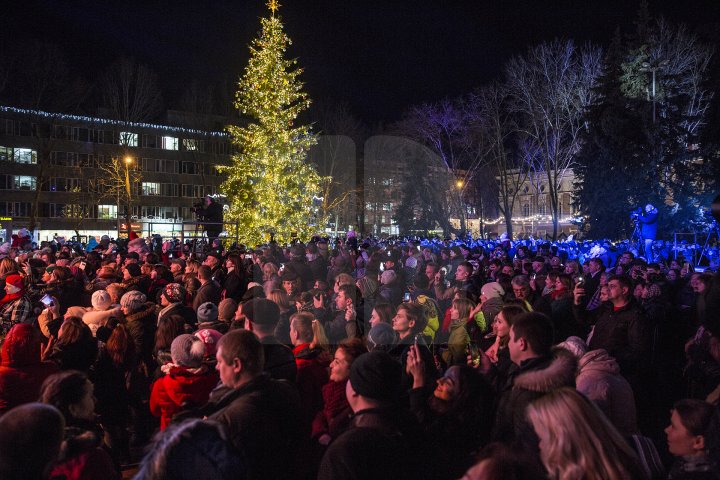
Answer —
(53, 171)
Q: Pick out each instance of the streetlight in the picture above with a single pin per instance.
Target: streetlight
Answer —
(128, 162)
(647, 67)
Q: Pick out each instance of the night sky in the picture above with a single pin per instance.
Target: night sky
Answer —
(378, 56)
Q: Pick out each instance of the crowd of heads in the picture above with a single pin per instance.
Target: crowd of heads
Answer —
(468, 350)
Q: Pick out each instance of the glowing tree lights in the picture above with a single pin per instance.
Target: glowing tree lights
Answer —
(270, 184)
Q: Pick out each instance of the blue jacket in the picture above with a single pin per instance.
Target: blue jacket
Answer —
(649, 224)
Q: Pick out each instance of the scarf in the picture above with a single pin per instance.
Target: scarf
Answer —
(11, 297)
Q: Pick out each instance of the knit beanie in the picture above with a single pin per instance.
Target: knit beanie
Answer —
(210, 338)
(207, 312)
(492, 290)
(14, 283)
(101, 300)
(387, 277)
(174, 292)
(376, 375)
(227, 309)
(133, 300)
(187, 350)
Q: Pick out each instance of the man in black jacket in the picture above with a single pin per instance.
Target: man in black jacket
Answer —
(536, 371)
(384, 441)
(213, 215)
(262, 415)
(209, 290)
(621, 328)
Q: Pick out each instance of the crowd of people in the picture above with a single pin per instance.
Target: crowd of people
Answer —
(357, 359)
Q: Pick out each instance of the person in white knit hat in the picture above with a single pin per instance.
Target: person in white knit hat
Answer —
(102, 310)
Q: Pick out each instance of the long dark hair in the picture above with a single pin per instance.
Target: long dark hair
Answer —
(121, 348)
(168, 328)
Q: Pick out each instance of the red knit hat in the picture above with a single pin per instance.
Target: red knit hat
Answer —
(14, 283)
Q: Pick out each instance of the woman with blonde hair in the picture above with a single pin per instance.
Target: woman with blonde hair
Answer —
(312, 360)
(578, 442)
(269, 270)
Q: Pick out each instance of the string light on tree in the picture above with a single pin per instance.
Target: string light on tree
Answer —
(270, 184)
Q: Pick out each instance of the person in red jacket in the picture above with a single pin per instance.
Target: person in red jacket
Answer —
(187, 382)
(21, 372)
(312, 360)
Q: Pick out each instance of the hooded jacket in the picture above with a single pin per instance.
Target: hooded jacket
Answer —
(527, 382)
(22, 373)
(142, 325)
(99, 318)
(599, 379)
(182, 387)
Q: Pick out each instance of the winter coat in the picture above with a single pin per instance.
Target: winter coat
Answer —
(457, 343)
(81, 456)
(527, 382)
(279, 359)
(111, 389)
(695, 468)
(649, 224)
(209, 292)
(538, 303)
(334, 418)
(598, 378)
(98, 318)
(235, 285)
(264, 421)
(78, 355)
(21, 372)
(180, 388)
(142, 325)
(625, 334)
(180, 314)
(312, 374)
(339, 329)
(141, 283)
(564, 321)
(381, 443)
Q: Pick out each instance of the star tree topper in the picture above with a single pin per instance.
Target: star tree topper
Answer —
(273, 5)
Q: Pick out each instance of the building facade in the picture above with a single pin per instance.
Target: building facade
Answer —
(54, 173)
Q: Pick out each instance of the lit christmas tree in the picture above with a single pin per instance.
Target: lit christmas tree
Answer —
(270, 185)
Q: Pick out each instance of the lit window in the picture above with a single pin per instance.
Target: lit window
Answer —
(169, 143)
(191, 145)
(25, 155)
(24, 182)
(150, 188)
(107, 211)
(129, 139)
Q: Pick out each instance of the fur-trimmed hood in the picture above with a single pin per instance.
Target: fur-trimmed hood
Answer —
(560, 372)
(598, 360)
(98, 318)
